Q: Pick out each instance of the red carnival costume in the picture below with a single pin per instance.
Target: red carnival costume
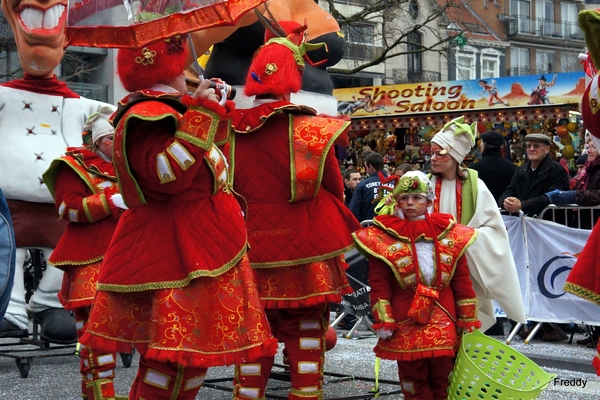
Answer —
(423, 313)
(82, 183)
(298, 227)
(176, 281)
(584, 278)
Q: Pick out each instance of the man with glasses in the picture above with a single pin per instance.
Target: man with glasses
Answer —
(538, 175)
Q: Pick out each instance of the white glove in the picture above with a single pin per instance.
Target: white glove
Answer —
(385, 333)
(117, 200)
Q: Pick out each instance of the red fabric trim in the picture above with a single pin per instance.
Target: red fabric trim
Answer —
(309, 302)
(596, 362)
(48, 86)
(389, 355)
(385, 325)
(265, 349)
(468, 325)
(202, 102)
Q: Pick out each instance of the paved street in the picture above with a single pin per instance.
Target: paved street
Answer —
(349, 366)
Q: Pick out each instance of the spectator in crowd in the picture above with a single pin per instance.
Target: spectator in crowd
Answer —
(580, 164)
(458, 191)
(493, 169)
(362, 204)
(539, 175)
(402, 169)
(351, 180)
(587, 191)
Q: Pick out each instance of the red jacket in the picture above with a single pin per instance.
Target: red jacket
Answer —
(285, 169)
(81, 183)
(398, 286)
(183, 221)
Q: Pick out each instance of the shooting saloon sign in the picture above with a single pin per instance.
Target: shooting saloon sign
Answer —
(466, 95)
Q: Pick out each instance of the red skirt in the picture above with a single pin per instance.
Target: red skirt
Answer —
(79, 285)
(303, 285)
(210, 322)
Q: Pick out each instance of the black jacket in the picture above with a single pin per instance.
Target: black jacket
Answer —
(530, 186)
(495, 171)
(362, 205)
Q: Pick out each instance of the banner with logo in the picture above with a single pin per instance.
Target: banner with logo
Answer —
(545, 253)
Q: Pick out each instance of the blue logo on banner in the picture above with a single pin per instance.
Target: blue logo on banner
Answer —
(550, 271)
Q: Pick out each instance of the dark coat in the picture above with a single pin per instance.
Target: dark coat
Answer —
(362, 205)
(347, 195)
(590, 196)
(530, 186)
(495, 171)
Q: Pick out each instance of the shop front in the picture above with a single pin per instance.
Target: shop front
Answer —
(399, 120)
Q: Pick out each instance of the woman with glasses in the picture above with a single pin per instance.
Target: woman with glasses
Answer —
(459, 191)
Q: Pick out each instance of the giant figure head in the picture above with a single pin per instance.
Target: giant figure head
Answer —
(39, 30)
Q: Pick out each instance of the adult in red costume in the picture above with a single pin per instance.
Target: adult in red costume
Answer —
(584, 278)
(175, 282)
(421, 293)
(39, 118)
(83, 184)
(298, 227)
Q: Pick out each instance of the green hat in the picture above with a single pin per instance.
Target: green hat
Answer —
(414, 182)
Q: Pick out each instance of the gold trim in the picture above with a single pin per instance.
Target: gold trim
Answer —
(86, 210)
(582, 292)
(111, 287)
(77, 263)
(299, 261)
(183, 164)
(212, 130)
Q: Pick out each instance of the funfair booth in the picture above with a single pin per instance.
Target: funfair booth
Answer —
(399, 120)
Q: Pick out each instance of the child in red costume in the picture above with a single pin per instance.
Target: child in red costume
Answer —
(421, 294)
(176, 281)
(298, 227)
(83, 183)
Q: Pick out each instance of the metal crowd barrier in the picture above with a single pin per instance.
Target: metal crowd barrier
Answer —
(573, 216)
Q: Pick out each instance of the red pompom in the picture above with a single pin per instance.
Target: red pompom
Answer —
(273, 71)
(159, 62)
(330, 338)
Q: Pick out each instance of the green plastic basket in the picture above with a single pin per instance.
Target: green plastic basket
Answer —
(488, 369)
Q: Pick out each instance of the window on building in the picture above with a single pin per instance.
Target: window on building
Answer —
(568, 14)
(544, 13)
(544, 61)
(360, 39)
(569, 62)
(347, 81)
(521, 10)
(413, 9)
(415, 55)
(519, 62)
(490, 63)
(465, 66)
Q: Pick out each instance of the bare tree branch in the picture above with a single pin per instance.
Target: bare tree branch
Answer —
(394, 27)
